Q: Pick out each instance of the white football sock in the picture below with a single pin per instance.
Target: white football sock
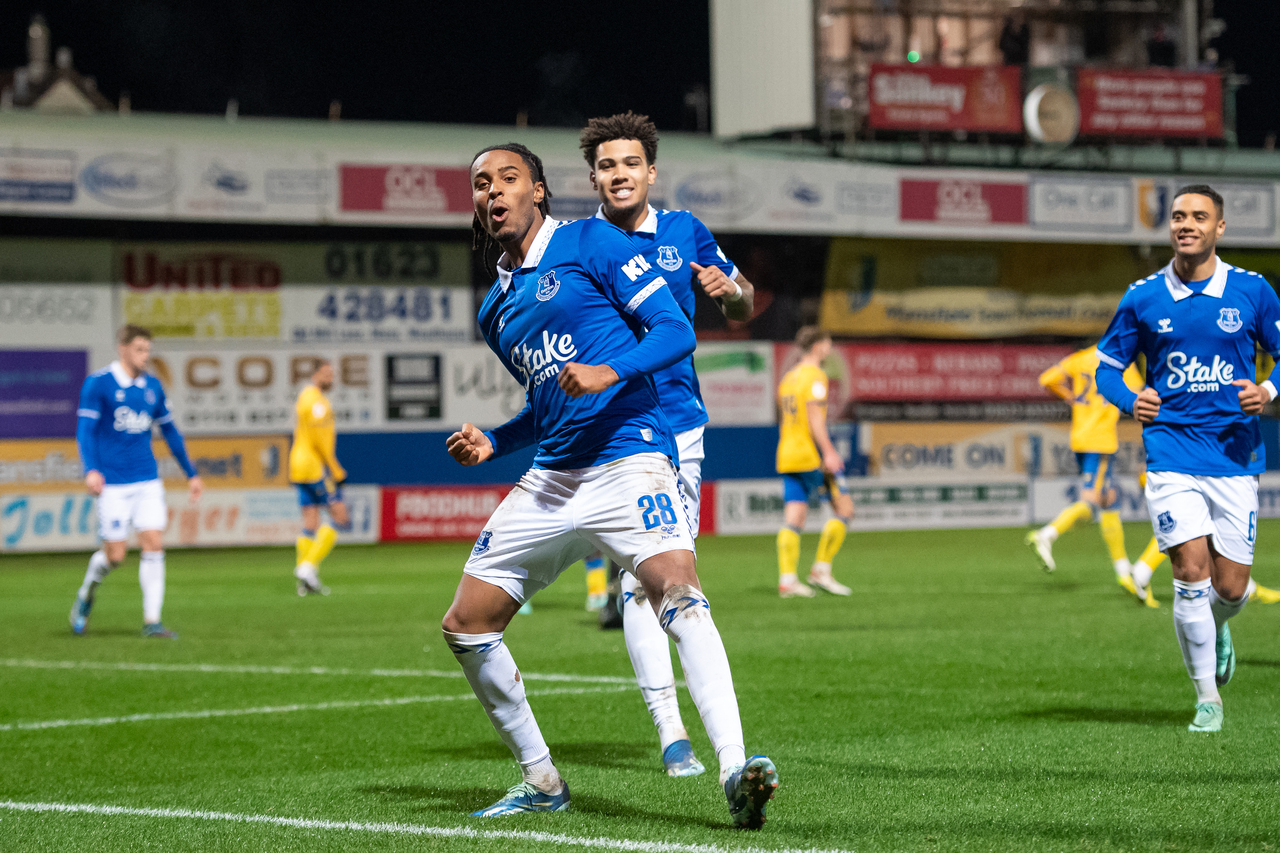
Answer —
(1224, 608)
(1123, 568)
(151, 577)
(1193, 623)
(1141, 574)
(492, 674)
(686, 617)
(650, 652)
(99, 568)
(1050, 533)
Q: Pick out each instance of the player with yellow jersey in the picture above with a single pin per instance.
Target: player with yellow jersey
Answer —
(316, 474)
(809, 464)
(1094, 441)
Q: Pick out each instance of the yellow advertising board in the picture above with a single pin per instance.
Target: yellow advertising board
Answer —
(243, 462)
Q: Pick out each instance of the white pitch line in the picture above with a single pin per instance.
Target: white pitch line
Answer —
(468, 832)
(279, 709)
(252, 669)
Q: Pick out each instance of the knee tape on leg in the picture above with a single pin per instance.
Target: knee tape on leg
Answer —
(682, 601)
(463, 644)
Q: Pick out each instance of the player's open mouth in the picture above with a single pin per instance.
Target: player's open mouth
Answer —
(622, 193)
(498, 213)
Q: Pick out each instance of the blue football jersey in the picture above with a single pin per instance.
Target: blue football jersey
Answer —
(670, 240)
(583, 294)
(114, 426)
(1197, 342)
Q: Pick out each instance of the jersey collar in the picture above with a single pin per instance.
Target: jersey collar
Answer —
(122, 378)
(1179, 291)
(534, 257)
(649, 226)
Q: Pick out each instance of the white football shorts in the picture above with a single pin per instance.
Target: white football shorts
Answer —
(140, 504)
(1185, 506)
(689, 446)
(630, 509)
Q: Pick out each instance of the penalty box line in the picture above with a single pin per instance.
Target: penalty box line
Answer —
(254, 669)
(464, 832)
(341, 704)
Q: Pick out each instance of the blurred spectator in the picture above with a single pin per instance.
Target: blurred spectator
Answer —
(1015, 39)
(1161, 50)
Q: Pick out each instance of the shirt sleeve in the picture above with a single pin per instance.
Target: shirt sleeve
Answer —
(88, 416)
(624, 276)
(1267, 332)
(708, 250)
(515, 434)
(1116, 351)
(172, 436)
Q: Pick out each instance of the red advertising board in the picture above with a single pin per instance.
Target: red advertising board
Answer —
(405, 189)
(438, 512)
(971, 373)
(1149, 103)
(963, 202)
(935, 97)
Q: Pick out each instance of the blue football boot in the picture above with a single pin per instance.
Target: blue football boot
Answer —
(80, 615)
(526, 798)
(749, 790)
(157, 631)
(680, 760)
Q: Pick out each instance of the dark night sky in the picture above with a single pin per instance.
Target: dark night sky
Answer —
(473, 62)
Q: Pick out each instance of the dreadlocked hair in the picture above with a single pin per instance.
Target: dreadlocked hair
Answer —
(481, 239)
(626, 125)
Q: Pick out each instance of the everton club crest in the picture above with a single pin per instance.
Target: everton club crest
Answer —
(669, 258)
(547, 286)
(1229, 320)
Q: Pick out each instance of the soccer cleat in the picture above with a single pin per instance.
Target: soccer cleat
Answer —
(1150, 600)
(1208, 718)
(526, 798)
(1226, 652)
(1042, 548)
(157, 631)
(309, 581)
(680, 760)
(80, 615)
(611, 614)
(1129, 586)
(749, 789)
(597, 601)
(824, 581)
(793, 588)
(1265, 595)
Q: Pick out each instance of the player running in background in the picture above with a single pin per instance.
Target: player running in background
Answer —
(1094, 442)
(313, 465)
(118, 406)
(582, 321)
(1198, 322)
(621, 151)
(809, 464)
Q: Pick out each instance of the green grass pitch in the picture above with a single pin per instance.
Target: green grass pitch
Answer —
(960, 700)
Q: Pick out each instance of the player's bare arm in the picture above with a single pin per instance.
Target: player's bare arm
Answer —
(469, 446)
(94, 481)
(578, 380)
(831, 461)
(1147, 406)
(736, 296)
(1253, 397)
(195, 488)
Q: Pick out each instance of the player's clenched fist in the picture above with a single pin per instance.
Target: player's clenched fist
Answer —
(1147, 406)
(580, 379)
(1253, 398)
(469, 446)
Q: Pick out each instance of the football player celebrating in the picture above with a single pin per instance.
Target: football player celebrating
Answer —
(313, 464)
(581, 319)
(118, 406)
(621, 151)
(1198, 321)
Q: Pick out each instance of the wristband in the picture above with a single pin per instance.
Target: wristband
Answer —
(1271, 389)
(738, 292)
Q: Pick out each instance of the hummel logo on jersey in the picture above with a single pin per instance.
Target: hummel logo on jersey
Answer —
(127, 420)
(1166, 325)
(502, 322)
(669, 259)
(538, 364)
(1229, 320)
(547, 286)
(1202, 377)
(635, 267)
